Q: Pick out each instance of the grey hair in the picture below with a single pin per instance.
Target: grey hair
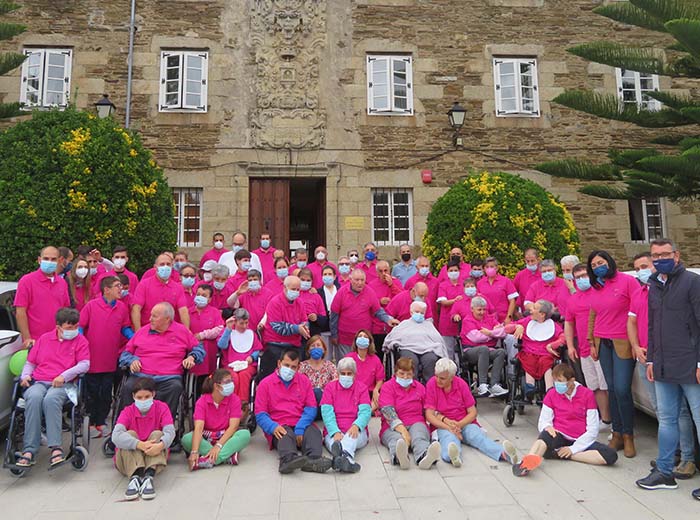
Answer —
(445, 365)
(241, 314)
(547, 263)
(546, 307)
(220, 270)
(347, 364)
(189, 264)
(478, 301)
(418, 306)
(301, 251)
(491, 259)
(569, 260)
(168, 310)
(253, 272)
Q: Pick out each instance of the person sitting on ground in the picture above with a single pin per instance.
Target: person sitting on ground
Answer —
(370, 369)
(285, 409)
(142, 435)
(568, 426)
(57, 358)
(319, 370)
(216, 438)
(346, 413)
(451, 409)
(403, 422)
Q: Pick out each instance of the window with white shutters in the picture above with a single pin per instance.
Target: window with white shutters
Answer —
(389, 85)
(183, 81)
(632, 88)
(515, 81)
(46, 78)
(647, 219)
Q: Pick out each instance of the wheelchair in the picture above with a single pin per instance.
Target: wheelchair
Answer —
(79, 428)
(470, 371)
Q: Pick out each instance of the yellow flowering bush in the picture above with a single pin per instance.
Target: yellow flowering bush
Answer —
(501, 215)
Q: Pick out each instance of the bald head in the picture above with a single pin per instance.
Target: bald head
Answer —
(421, 290)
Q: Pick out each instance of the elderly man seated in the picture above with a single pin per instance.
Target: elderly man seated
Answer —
(163, 351)
(418, 339)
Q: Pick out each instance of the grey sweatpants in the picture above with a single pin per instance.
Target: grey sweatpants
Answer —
(420, 440)
(42, 399)
(481, 357)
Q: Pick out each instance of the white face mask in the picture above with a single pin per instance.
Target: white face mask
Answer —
(81, 272)
(218, 244)
(320, 256)
(119, 263)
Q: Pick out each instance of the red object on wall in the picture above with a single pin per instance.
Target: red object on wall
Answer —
(427, 176)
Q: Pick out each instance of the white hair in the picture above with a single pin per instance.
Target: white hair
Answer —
(347, 363)
(418, 307)
(445, 365)
(220, 271)
(478, 301)
(569, 260)
(168, 309)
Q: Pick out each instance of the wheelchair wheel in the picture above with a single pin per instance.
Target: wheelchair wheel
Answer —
(509, 415)
(80, 459)
(108, 448)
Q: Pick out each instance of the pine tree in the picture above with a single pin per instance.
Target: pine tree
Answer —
(10, 60)
(642, 173)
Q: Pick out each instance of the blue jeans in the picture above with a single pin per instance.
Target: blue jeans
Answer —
(472, 436)
(618, 376)
(669, 399)
(350, 445)
(41, 399)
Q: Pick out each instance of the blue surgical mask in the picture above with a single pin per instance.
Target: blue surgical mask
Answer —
(561, 386)
(370, 255)
(219, 285)
(236, 249)
(532, 268)
(346, 381)
(48, 267)
(292, 294)
(282, 272)
(179, 265)
(316, 353)
(305, 285)
(201, 301)
(453, 275)
(328, 279)
(227, 388)
(264, 244)
(470, 291)
(568, 276)
(93, 271)
(424, 271)
(404, 383)
(362, 342)
(301, 264)
(286, 374)
(69, 334)
(418, 317)
(144, 405)
(665, 265)
(254, 285)
(643, 275)
(188, 281)
(344, 269)
(125, 293)
(476, 273)
(164, 272)
(583, 284)
(601, 271)
(245, 266)
(549, 276)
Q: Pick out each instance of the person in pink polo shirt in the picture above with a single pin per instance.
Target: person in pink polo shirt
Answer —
(450, 292)
(549, 288)
(104, 322)
(153, 271)
(216, 251)
(370, 370)
(39, 296)
(344, 270)
(189, 282)
(222, 286)
(299, 260)
(239, 275)
(57, 359)
(498, 290)
(385, 287)
(120, 257)
(424, 275)
(316, 267)
(462, 309)
(266, 254)
(285, 409)
(400, 305)
(275, 285)
(568, 426)
(253, 297)
(463, 268)
(527, 276)
(403, 426)
(206, 325)
(312, 302)
(79, 282)
(217, 437)
(369, 263)
(157, 289)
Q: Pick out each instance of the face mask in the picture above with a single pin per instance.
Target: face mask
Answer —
(643, 275)
(69, 334)
(207, 277)
(245, 266)
(316, 353)
(370, 255)
(470, 291)
(561, 387)
(549, 276)
(93, 271)
(453, 275)
(218, 244)
(583, 284)
(491, 272)
(328, 279)
(164, 272)
(406, 257)
(665, 265)
(476, 273)
(219, 285)
(265, 244)
(354, 259)
(344, 269)
(404, 383)
(455, 258)
(362, 342)
(187, 281)
(286, 374)
(320, 256)
(200, 301)
(48, 267)
(305, 285)
(282, 273)
(119, 263)
(418, 317)
(125, 293)
(145, 405)
(346, 381)
(254, 285)
(532, 268)
(424, 271)
(568, 276)
(81, 272)
(600, 271)
(227, 389)
(301, 264)
(179, 265)
(236, 249)
(292, 294)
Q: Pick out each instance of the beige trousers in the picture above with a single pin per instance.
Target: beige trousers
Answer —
(128, 461)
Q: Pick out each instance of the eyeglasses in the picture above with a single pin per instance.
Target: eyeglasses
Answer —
(663, 255)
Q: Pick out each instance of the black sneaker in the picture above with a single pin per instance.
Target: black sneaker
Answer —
(337, 452)
(318, 465)
(292, 463)
(657, 480)
(148, 490)
(696, 494)
(133, 489)
(345, 465)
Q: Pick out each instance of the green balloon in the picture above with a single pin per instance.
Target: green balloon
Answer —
(17, 362)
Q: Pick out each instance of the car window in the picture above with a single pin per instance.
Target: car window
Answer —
(8, 320)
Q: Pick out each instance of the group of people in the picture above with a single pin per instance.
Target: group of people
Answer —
(314, 336)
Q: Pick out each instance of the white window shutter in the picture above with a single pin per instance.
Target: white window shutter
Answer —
(498, 64)
(379, 91)
(205, 80)
(194, 81)
(31, 95)
(409, 84)
(68, 62)
(536, 96)
(170, 86)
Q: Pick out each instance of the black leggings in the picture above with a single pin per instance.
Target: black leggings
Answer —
(554, 443)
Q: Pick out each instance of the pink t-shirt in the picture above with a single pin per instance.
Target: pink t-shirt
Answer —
(611, 304)
(382, 290)
(240, 346)
(499, 293)
(81, 295)
(157, 418)
(369, 269)
(355, 311)
(470, 323)
(102, 324)
(275, 285)
(284, 404)
(317, 271)
(213, 254)
(448, 291)
(408, 402)
(570, 415)
(557, 293)
(151, 291)
(369, 371)
(255, 303)
(204, 319)
(42, 297)
(235, 281)
(464, 273)
(539, 347)
(639, 307)
(577, 312)
(279, 309)
(432, 283)
(464, 307)
(52, 357)
(453, 404)
(217, 418)
(400, 307)
(313, 304)
(267, 262)
(522, 282)
(219, 298)
(345, 401)
(161, 354)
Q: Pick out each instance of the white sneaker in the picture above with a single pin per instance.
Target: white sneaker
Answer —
(147, 490)
(402, 454)
(432, 455)
(511, 453)
(133, 489)
(482, 390)
(497, 390)
(453, 453)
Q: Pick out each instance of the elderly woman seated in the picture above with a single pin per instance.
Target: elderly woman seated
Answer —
(568, 426)
(451, 409)
(419, 340)
(480, 334)
(346, 412)
(541, 337)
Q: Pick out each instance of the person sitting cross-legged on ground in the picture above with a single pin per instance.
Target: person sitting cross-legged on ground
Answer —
(216, 438)
(566, 432)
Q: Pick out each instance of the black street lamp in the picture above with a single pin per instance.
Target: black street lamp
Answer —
(457, 115)
(105, 107)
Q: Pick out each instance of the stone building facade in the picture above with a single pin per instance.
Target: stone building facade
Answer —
(312, 118)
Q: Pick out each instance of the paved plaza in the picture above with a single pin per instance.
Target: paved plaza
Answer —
(481, 489)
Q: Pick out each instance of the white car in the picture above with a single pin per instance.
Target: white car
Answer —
(10, 342)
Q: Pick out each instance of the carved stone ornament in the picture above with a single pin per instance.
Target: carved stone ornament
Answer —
(287, 37)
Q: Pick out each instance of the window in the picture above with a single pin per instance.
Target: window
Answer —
(188, 216)
(392, 216)
(183, 81)
(632, 88)
(389, 85)
(45, 78)
(515, 80)
(646, 219)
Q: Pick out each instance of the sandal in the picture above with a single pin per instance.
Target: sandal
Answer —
(23, 461)
(57, 457)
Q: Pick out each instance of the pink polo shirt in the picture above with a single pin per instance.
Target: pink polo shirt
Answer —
(52, 357)
(522, 282)
(161, 354)
(157, 418)
(240, 347)
(316, 269)
(382, 290)
(577, 312)
(355, 311)
(499, 293)
(345, 401)
(408, 402)
(204, 319)
(267, 262)
(102, 324)
(448, 291)
(219, 298)
(400, 307)
(235, 280)
(275, 285)
(42, 297)
(279, 309)
(343, 280)
(369, 269)
(570, 415)
(556, 292)
(80, 292)
(313, 304)
(432, 283)
(133, 279)
(151, 291)
(611, 304)
(213, 254)
(217, 417)
(369, 371)
(464, 307)
(639, 307)
(151, 273)
(536, 347)
(255, 303)
(452, 404)
(470, 323)
(464, 273)
(284, 404)
(190, 293)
